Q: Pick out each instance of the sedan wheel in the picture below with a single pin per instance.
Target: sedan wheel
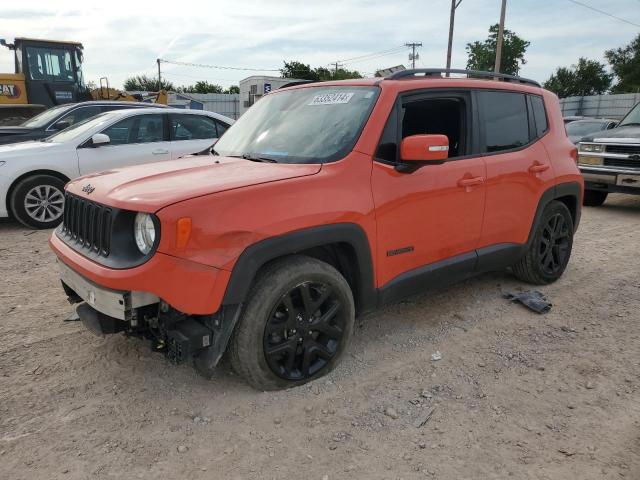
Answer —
(38, 201)
(44, 203)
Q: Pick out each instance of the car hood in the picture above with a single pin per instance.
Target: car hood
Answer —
(29, 149)
(152, 186)
(4, 131)
(632, 133)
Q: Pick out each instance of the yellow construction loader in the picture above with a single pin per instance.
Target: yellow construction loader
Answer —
(49, 73)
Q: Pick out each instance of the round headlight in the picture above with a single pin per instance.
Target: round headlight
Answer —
(145, 232)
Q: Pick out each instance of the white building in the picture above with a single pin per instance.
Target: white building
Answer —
(223, 103)
(255, 87)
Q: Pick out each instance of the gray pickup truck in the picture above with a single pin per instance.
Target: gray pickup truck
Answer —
(610, 160)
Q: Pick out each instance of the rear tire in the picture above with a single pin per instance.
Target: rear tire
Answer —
(38, 201)
(550, 249)
(295, 326)
(594, 198)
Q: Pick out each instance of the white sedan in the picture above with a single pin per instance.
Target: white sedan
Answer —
(33, 174)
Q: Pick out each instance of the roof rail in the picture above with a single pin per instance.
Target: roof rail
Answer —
(437, 72)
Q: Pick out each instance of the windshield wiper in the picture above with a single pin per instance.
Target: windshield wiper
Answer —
(630, 123)
(258, 158)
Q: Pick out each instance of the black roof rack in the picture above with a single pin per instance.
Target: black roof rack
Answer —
(437, 72)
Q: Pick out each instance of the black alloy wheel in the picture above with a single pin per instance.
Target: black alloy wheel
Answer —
(304, 331)
(295, 325)
(555, 245)
(549, 249)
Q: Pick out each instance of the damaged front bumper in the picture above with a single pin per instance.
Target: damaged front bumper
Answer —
(180, 336)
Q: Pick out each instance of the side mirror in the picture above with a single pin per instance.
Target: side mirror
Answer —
(61, 125)
(100, 139)
(424, 148)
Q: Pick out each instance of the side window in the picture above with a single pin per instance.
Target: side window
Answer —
(505, 120)
(138, 129)
(539, 115)
(120, 133)
(222, 127)
(444, 115)
(80, 114)
(192, 127)
(149, 129)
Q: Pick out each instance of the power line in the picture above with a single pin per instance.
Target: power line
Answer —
(220, 67)
(399, 47)
(172, 74)
(395, 52)
(604, 13)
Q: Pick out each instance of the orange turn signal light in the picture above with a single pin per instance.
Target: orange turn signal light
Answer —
(183, 232)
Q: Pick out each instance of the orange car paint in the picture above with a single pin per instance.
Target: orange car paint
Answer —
(441, 210)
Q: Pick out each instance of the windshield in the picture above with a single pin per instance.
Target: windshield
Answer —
(78, 129)
(632, 118)
(583, 128)
(45, 117)
(305, 125)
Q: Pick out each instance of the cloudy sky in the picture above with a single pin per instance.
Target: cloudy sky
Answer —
(125, 38)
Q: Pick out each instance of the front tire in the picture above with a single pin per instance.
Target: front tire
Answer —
(550, 250)
(594, 198)
(295, 326)
(38, 201)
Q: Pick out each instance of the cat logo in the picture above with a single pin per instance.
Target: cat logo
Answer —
(9, 90)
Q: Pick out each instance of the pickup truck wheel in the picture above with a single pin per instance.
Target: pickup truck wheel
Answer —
(38, 201)
(550, 250)
(594, 198)
(296, 324)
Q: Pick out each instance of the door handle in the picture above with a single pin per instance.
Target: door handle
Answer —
(470, 182)
(538, 167)
(160, 151)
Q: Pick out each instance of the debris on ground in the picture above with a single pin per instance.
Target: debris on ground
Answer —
(73, 317)
(424, 418)
(532, 299)
(391, 413)
(435, 356)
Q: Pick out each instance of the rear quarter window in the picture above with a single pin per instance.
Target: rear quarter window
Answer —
(539, 115)
(504, 117)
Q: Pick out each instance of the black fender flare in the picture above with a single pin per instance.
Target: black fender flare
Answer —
(561, 190)
(258, 254)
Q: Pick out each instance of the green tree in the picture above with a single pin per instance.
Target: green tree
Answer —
(625, 63)
(340, 74)
(303, 71)
(202, 86)
(146, 84)
(482, 55)
(233, 89)
(299, 70)
(587, 77)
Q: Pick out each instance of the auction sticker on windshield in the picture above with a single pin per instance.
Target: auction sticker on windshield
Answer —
(331, 98)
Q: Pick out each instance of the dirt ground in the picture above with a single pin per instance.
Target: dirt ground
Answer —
(515, 395)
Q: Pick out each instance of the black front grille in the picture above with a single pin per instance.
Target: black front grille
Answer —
(87, 224)
(621, 162)
(625, 149)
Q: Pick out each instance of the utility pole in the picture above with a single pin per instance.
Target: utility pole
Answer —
(336, 65)
(159, 76)
(452, 17)
(413, 56)
(500, 37)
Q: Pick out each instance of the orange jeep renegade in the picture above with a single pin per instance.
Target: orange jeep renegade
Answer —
(322, 202)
